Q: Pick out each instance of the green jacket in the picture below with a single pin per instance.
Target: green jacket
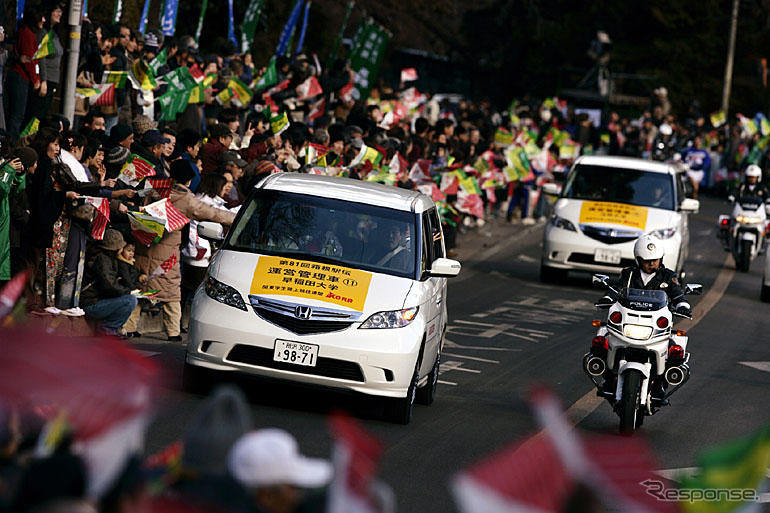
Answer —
(10, 183)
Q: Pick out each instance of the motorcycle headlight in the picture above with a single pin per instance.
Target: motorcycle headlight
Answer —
(637, 332)
(391, 319)
(664, 233)
(748, 219)
(564, 224)
(226, 294)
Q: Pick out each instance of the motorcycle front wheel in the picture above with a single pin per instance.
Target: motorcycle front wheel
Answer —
(630, 402)
(743, 260)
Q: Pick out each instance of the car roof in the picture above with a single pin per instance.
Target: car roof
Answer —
(371, 193)
(626, 162)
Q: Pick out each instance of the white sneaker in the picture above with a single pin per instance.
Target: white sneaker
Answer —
(528, 221)
(53, 310)
(74, 312)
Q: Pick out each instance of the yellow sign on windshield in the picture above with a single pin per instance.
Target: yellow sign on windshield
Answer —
(615, 213)
(299, 278)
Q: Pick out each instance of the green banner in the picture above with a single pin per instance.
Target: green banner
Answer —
(366, 56)
(333, 54)
(118, 11)
(200, 21)
(249, 25)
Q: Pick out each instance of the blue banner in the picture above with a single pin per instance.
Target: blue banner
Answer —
(304, 28)
(143, 19)
(288, 29)
(168, 22)
(19, 10)
(231, 24)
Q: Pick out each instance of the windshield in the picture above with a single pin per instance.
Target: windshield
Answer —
(326, 230)
(644, 300)
(602, 183)
(750, 202)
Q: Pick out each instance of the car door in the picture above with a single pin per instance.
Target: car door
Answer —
(439, 251)
(434, 292)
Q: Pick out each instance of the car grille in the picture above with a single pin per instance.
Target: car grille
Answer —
(609, 235)
(326, 367)
(585, 258)
(301, 326)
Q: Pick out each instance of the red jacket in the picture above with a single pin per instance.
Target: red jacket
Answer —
(210, 154)
(26, 44)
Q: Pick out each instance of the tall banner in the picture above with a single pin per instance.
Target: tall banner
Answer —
(143, 19)
(249, 25)
(231, 24)
(337, 41)
(366, 56)
(200, 20)
(304, 27)
(118, 11)
(288, 29)
(168, 21)
(19, 10)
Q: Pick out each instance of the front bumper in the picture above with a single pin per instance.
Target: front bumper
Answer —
(568, 250)
(370, 361)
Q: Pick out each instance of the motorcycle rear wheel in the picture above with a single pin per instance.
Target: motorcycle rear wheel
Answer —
(630, 402)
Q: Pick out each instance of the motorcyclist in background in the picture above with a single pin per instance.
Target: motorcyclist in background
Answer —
(751, 186)
(649, 273)
(663, 145)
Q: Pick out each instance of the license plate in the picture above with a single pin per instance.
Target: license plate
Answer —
(296, 353)
(607, 256)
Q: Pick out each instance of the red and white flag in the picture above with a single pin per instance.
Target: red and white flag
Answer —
(470, 204)
(11, 293)
(408, 75)
(420, 172)
(545, 471)
(398, 164)
(105, 97)
(164, 209)
(356, 455)
(163, 268)
(197, 73)
(346, 93)
(432, 190)
(309, 88)
(134, 170)
(102, 217)
(316, 111)
(162, 186)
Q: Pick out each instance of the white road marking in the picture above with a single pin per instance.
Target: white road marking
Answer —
(148, 354)
(526, 258)
(452, 365)
(475, 358)
(584, 406)
(447, 382)
(763, 366)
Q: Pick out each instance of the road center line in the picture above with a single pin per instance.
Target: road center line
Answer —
(584, 406)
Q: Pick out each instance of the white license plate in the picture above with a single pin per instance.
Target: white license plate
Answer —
(607, 256)
(295, 352)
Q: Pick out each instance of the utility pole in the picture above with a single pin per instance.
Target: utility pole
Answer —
(73, 55)
(730, 54)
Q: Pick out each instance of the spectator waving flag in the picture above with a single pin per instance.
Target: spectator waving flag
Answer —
(354, 488)
(309, 88)
(408, 75)
(166, 211)
(135, 169)
(102, 217)
(116, 77)
(162, 186)
(104, 97)
(46, 47)
(279, 123)
(145, 228)
(163, 268)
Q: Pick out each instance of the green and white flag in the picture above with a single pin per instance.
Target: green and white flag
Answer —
(249, 25)
(158, 61)
(269, 77)
(366, 56)
(279, 123)
(200, 20)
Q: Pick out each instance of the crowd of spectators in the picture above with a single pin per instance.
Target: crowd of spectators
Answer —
(216, 150)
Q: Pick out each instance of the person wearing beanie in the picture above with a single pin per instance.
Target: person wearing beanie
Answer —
(103, 296)
(121, 135)
(149, 258)
(12, 180)
(114, 158)
(142, 124)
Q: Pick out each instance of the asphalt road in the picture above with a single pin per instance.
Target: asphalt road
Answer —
(507, 332)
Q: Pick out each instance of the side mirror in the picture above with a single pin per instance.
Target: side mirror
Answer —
(445, 268)
(690, 205)
(604, 303)
(211, 231)
(695, 289)
(600, 279)
(552, 189)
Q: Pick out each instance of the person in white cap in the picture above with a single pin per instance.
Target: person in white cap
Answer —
(268, 464)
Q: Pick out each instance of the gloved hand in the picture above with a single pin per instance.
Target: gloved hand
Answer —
(684, 310)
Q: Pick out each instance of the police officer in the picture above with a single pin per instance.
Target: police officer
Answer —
(751, 187)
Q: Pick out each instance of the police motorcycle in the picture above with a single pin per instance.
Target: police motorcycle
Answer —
(636, 345)
(743, 231)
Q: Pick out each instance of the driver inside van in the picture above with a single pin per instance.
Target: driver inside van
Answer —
(397, 254)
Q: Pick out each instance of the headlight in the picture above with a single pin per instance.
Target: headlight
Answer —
(392, 319)
(748, 219)
(637, 332)
(664, 233)
(224, 294)
(560, 222)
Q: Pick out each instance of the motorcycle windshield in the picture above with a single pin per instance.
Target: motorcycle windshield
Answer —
(644, 300)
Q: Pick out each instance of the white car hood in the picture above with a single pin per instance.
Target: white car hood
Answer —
(237, 269)
(654, 219)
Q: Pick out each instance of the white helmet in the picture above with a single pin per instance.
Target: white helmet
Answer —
(648, 247)
(665, 129)
(753, 170)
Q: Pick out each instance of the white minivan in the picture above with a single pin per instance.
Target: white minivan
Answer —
(327, 281)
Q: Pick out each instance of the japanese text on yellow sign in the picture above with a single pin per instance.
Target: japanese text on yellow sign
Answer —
(298, 278)
(615, 213)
